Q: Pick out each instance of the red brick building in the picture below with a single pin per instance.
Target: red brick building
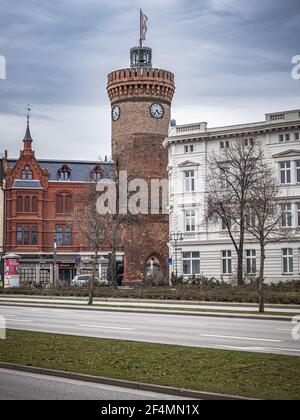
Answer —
(40, 196)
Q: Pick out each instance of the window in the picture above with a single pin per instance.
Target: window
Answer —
(20, 204)
(27, 235)
(250, 218)
(191, 263)
(64, 204)
(251, 261)
(34, 205)
(224, 145)
(59, 236)
(285, 172)
(284, 138)
(190, 221)
(298, 212)
(296, 136)
(226, 263)
(26, 173)
(298, 171)
(63, 236)
(189, 149)
(64, 173)
(249, 142)
(97, 173)
(189, 181)
(288, 261)
(27, 205)
(287, 215)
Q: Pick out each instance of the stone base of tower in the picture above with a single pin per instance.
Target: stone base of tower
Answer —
(146, 250)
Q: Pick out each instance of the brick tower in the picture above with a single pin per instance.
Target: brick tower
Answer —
(141, 98)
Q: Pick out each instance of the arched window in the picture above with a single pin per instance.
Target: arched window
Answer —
(26, 235)
(26, 173)
(68, 204)
(59, 204)
(27, 204)
(34, 205)
(19, 204)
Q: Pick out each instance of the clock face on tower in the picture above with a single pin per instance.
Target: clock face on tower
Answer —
(157, 111)
(116, 112)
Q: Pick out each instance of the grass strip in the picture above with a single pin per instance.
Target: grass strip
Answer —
(254, 375)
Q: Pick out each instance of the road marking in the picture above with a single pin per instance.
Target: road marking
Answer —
(106, 328)
(240, 338)
(268, 349)
(283, 329)
(19, 320)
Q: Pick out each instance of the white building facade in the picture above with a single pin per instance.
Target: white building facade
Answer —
(206, 249)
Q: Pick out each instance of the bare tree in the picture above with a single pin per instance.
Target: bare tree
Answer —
(268, 219)
(233, 173)
(92, 227)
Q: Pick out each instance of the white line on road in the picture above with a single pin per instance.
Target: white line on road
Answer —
(268, 349)
(240, 338)
(19, 320)
(106, 328)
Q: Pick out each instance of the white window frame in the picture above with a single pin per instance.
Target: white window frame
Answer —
(190, 221)
(287, 215)
(226, 257)
(288, 260)
(287, 171)
(189, 181)
(251, 259)
(297, 164)
(192, 259)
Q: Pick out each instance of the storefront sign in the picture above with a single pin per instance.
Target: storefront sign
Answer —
(11, 273)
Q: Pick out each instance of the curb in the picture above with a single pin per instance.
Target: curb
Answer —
(186, 393)
(152, 312)
(139, 300)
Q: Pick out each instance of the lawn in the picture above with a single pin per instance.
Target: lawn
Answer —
(237, 373)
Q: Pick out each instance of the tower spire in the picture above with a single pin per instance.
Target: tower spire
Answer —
(28, 134)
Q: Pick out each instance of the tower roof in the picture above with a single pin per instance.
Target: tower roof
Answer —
(28, 134)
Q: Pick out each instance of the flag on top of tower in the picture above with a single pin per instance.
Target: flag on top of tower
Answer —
(144, 20)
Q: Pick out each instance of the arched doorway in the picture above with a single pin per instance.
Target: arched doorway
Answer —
(153, 272)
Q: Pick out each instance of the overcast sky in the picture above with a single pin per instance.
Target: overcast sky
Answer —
(231, 59)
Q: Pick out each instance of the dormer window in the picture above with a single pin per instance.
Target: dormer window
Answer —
(97, 173)
(26, 174)
(64, 174)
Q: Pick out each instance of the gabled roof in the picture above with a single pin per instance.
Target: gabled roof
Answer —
(27, 185)
(288, 153)
(188, 163)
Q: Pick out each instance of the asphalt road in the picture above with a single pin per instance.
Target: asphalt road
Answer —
(171, 305)
(28, 386)
(209, 332)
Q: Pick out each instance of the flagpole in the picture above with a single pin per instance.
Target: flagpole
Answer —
(141, 24)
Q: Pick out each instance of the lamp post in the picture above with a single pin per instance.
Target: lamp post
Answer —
(55, 263)
(176, 237)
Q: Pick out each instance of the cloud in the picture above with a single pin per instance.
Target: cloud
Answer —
(231, 58)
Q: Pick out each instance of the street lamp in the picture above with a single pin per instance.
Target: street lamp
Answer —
(55, 262)
(176, 237)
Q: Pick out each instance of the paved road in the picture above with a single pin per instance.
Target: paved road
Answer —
(220, 307)
(234, 334)
(28, 386)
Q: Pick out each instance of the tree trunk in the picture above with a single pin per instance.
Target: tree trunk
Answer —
(240, 268)
(261, 279)
(92, 281)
